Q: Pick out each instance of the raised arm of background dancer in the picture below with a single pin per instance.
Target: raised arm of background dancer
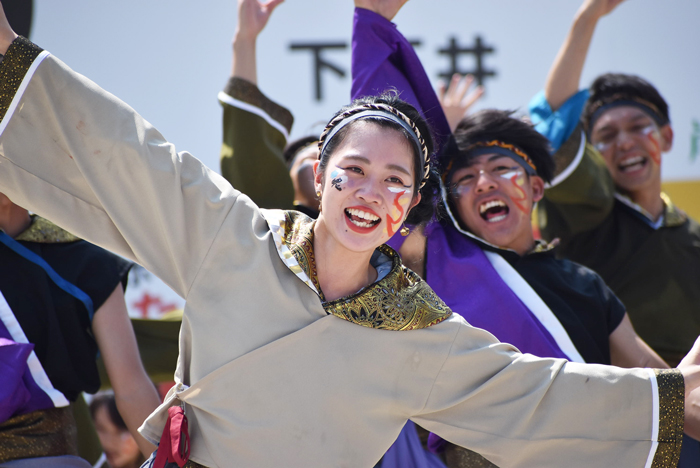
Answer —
(252, 18)
(565, 74)
(455, 98)
(134, 392)
(627, 349)
(77, 155)
(382, 58)
(255, 129)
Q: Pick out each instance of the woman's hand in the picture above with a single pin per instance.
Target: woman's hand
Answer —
(454, 99)
(7, 35)
(690, 368)
(385, 8)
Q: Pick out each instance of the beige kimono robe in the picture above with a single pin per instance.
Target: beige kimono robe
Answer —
(269, 375)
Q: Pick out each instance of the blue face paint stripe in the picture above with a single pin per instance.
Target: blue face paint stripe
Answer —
(71, 289)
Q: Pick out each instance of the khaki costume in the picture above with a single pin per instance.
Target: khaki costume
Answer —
(268, 373)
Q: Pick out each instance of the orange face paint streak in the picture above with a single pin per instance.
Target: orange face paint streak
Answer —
(522, 192)
(656, 155)
(389, 220)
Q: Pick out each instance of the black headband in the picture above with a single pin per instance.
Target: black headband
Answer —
(645, 106)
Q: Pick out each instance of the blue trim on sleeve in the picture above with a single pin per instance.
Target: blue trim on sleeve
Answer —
(557, 125)
(71, 289)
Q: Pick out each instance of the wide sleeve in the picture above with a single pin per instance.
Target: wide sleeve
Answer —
(383, 59)
(82, 158)
(521, 411)
(256, 131)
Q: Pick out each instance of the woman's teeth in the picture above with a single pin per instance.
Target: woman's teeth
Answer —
(361, 218)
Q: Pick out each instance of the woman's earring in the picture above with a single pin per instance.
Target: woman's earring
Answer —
(404, 231)
(318, 195)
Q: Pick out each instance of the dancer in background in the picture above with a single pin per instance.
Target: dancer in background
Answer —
(605, 201)
(255, 125)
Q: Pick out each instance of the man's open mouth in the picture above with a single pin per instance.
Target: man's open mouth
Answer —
(493, 211)
(361, 218)
(632, 164)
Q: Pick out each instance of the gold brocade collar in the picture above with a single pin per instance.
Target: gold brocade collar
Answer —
(44, 231)
(399, 301)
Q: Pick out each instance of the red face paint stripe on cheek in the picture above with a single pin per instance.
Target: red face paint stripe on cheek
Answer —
(656, 155)
(391, 221)
(522, 192)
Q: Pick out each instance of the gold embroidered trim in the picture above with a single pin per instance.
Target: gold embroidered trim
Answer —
(14, 67)
(44, 231)
(671, 417)
(399, 301)
(673, 216)
(299, 237)
(245, 91)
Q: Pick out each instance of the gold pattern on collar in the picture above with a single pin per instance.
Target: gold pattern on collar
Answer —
(673, 216)
(399, 301)
(45, 232)
(299, 237)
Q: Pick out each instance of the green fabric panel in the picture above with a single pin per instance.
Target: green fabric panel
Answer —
(89, 446)
(582, 201)
(252, 161)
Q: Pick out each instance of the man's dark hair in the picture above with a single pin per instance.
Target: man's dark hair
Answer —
(612, 87)
(295, 146)
(494, 124)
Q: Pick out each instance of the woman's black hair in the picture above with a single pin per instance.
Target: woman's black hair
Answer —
(493, 124)
(424, 210)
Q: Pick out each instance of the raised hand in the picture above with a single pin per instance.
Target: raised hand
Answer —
(598, 8)
(253, 16)
(386, 8)
(454, 99)
(7, 35)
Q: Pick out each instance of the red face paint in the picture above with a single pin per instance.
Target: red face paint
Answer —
(522, 193)
(656, 154)
(391, 221)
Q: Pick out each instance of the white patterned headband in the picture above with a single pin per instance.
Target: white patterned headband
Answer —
(382, 111)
